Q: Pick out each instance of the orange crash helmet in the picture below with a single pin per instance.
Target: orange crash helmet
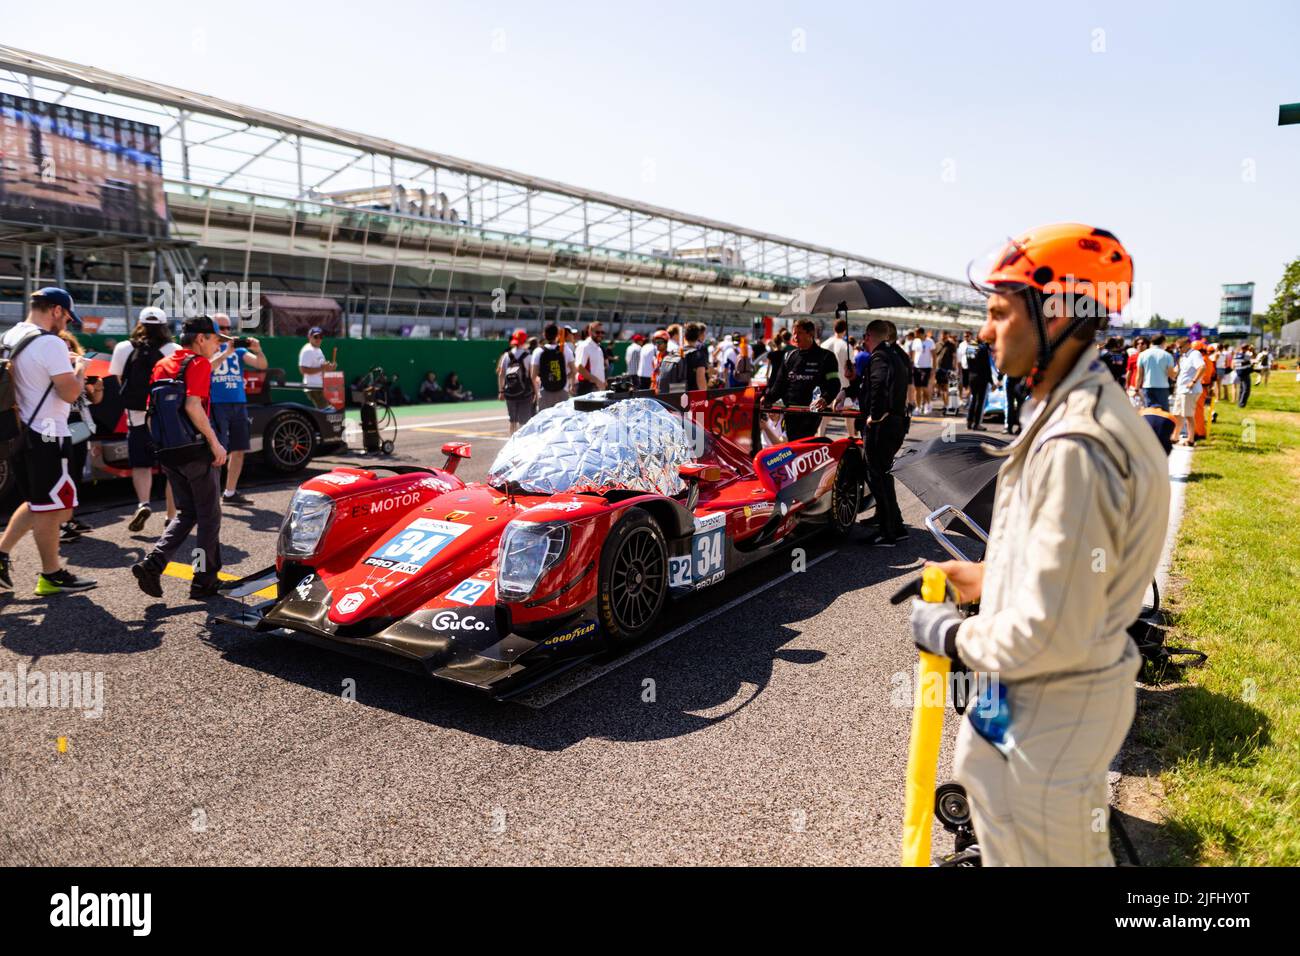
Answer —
(1064, 268)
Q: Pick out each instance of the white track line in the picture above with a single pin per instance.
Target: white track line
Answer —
(1180, 467)
(537, 699)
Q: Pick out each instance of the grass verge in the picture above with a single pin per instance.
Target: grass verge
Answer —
(1229, 735)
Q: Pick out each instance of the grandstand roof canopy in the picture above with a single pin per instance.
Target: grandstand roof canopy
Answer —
(218, 143)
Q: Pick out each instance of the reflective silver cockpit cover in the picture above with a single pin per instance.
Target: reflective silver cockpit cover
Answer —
(635, 444)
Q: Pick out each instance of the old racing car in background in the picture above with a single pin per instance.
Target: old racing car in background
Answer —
(287, 430)
(595, 514)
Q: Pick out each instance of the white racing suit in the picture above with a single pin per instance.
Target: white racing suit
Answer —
(1078, 524)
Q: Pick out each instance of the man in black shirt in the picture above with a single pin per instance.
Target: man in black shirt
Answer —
(884, 403)
(804, 369)
(981, 376)
(695, 357)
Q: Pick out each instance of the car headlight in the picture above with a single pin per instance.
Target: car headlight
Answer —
(528, 550)
(310, 514)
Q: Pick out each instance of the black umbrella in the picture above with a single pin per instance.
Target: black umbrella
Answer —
(843, 294)
(956, 471)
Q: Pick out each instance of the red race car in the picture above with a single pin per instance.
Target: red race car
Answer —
(594, 515)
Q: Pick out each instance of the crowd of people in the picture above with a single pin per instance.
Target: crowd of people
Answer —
(186, 413)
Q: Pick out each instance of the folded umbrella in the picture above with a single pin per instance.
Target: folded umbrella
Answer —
(844, 294)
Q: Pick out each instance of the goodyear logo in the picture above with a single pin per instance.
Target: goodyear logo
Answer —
(774, 459)
(586, 629)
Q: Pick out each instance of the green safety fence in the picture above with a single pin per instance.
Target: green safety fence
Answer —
(474, 361)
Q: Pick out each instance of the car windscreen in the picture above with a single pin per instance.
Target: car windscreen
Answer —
(635, 444)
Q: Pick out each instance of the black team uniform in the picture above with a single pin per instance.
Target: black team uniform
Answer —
(981, 376)
(801, 371)
(885, 402)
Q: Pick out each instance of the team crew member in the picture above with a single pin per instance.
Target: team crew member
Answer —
(552, 368)
(132, 363)
(884, 404)
(46, 381)
(229, 404)
(515, 381)
(981, 377)
(312, 366)
(804, 370)
(590, 359)
(196, 484)
(1080, 515)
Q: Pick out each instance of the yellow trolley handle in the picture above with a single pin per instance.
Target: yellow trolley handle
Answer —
(927, 734)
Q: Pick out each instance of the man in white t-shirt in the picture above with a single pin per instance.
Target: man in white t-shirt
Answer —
(590, 360)
(46, 382)
(1191, 366)
(922, 350)
(312, 365)
(632, 358)
(838, 345)
(650, 358)
(132, 364)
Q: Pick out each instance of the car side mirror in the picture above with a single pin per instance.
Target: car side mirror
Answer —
(695, 474)
(455, 451)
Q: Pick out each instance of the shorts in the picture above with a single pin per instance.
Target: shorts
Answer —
(139, 447)
(1183, 405)
(921, 377)
(965, 378)
(230, 422)
(519, 409)
(44, 473)
(941, 376)
(547, 399)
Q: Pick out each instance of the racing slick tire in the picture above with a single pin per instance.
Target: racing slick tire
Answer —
(846, 495)
(289, 443)
(633, 585)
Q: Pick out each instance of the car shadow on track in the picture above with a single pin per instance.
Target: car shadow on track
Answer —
(89, 551)
(706, 676)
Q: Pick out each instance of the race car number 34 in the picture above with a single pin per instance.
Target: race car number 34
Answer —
(414, 545)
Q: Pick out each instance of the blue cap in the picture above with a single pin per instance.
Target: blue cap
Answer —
(56, 296)
(315, 330)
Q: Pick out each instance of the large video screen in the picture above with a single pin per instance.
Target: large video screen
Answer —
(69, 168)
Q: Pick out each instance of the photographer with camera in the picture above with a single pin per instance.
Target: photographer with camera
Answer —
(229, 402)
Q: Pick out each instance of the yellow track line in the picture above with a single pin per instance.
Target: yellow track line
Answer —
(175, 569)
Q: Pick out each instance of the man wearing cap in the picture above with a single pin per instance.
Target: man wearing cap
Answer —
(196, 484)
(312, 365)
(46, 382)
(132, 364)
(515, 381)
(229, 403)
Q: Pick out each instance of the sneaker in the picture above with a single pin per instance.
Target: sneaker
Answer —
(142, 513)
(149, 579)
(878, 539)
(199, 591)
(6, 573)
(68, 534)
(60, 581)
(78, 525)
(235, 499)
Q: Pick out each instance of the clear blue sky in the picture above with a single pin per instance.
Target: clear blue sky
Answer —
(1161, 127)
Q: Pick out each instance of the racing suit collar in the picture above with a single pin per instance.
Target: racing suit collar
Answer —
(1087, 369)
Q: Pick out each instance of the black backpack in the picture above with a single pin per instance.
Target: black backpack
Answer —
(672, 373)
(552, 372)
(13, 430)
(175, 439)
(516, 383)
(134, 386)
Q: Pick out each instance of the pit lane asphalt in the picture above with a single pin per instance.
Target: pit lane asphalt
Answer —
(770, 733)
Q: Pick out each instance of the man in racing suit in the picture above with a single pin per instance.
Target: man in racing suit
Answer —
(1079, 519)
(806, 369)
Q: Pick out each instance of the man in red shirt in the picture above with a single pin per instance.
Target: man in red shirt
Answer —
(196, 485)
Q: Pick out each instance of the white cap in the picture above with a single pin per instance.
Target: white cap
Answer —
(153, 316)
